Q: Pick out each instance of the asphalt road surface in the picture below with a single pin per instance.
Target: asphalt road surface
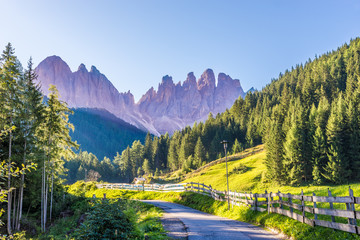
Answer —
(187, 223)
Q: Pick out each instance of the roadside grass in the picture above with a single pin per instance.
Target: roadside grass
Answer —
(283, 224)
(145, 217)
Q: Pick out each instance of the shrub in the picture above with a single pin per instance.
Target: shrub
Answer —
(107, 220)
(241, 168)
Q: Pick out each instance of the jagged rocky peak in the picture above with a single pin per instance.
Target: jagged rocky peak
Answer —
(190, 81)
(225, 80)
(206, 81)
(53, 63)
(94, 70)
(82, 68)
(167, 81)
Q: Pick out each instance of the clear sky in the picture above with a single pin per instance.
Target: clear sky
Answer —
(135, 43)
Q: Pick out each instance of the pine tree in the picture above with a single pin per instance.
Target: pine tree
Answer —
(30, 117)
(10, 73)
(274, 150)
(236, 148)
(147, 167)
(200, 155)
(173, 157)
(58, 145)
(294, 148)
(353, 152)
(148, 148)
(338, 166)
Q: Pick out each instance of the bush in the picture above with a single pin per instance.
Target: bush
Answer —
(241, 168)
(107, 220)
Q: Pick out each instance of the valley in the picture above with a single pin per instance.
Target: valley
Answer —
(285, 157)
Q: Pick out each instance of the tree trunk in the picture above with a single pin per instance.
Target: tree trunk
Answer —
(14, 211)
(9, 184)
(21, 192)
(52, 191)
(43, 196)
(45, 204)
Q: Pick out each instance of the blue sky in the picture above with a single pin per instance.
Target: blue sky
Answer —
(135, 43)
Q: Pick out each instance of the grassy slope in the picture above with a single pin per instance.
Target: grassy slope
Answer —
(251, 179)
(216, 175)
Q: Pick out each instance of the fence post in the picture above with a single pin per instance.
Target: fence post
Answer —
(290, 202)
(303, 205)
(316, 216)
(280, 199)
(350, 207)
(266, 199)
(192, 187)
(104, 195)
(251, 197)
(255, 201)
(198, 187)
(331, 205)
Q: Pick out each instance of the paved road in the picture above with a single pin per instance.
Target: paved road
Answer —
(200, 225)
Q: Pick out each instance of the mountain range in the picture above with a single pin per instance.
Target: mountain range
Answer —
(169, 108)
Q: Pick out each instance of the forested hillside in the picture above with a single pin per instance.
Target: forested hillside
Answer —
(308, 118)
(101, 133)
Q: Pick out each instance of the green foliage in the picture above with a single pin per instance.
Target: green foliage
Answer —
(107, 220)
(239, 169)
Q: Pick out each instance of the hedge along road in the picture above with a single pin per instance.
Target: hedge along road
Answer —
(200, 225)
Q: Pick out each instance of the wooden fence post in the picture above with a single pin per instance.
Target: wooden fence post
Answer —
(268, 200)
(198, 187)
(303, 205)
(192, 187)
(331, 205)
(316, 216)
(350, 207)
(104, 195)
(255, 201)
(280, 199)
(234, 201)
(290, 202)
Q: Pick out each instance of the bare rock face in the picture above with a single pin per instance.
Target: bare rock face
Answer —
(226, 91)
(170, 108)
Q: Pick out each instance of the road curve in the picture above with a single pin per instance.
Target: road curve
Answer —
(200, 225)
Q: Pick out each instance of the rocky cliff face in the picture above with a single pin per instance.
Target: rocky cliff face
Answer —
(170, 108)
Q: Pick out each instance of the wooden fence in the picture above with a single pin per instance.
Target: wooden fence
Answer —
(326, 211)
(179, 187)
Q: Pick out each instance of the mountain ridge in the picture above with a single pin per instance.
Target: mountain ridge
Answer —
(167, 109)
